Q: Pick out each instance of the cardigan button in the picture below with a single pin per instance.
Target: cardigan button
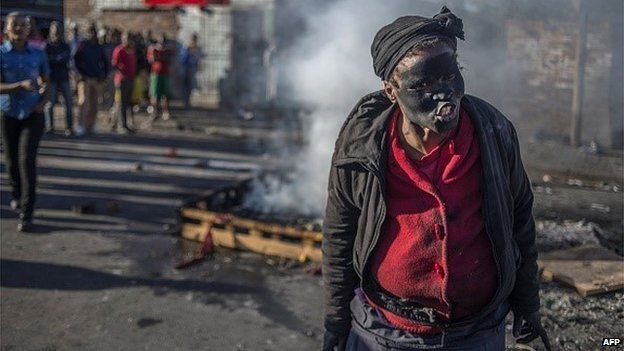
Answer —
(439, 231)
(439, 270)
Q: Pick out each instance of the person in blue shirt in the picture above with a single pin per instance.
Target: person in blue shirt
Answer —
(24, 75)
(190, 58)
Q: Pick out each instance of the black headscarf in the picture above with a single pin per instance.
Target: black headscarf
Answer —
(394, 40)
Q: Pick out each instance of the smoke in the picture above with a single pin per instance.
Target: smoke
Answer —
(329, 69)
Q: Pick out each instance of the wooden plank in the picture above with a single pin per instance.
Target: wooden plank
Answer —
(205, 215)
(230, 239)
(224, 238)
(590, 269)
(195, 232)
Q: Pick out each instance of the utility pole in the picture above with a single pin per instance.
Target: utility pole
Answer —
(616, 76)
(579, 80)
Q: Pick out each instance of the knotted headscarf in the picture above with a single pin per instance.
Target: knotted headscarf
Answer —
(394, 40)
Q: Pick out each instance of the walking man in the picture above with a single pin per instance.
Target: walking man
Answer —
(125, 64)
(23, 84)
(159, 56)
(59, 56)
(428, 235)
(91, 65)
(190, 56)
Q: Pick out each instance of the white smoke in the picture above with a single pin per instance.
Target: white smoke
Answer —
(330, 70)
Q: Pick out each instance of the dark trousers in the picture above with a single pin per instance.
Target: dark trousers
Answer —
(188, 85)
(371, 332)
(125, 89)
(21, 140)
(64, 89)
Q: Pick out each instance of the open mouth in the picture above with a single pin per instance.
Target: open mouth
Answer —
(446, 111)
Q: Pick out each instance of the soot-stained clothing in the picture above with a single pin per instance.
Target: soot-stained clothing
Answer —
(356, 210)
(433, 248)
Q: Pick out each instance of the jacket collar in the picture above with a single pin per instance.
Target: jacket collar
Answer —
(363, 136)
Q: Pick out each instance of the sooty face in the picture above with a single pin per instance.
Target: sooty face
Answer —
(430, 87)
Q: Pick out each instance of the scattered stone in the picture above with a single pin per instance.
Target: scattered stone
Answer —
(138, 167)
(575, 182)
(112, 207)
(200, 164)
(148, 322)
(172, 152)
(546, 178)
(543, 190)
(88, 208)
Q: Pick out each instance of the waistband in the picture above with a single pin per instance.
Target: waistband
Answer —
(368, 321)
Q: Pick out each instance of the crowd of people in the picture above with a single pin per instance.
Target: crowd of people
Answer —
(119, 71)
(109, 69)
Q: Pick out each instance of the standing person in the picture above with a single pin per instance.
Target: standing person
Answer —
(59, 55)
(124, 62)
(429, 239)
(74, 42)
(112, 39)
(75, 39)
(190, 57)
(159, 56)
(35, 39)
(22, 118)
(141, 79)
(92, 68)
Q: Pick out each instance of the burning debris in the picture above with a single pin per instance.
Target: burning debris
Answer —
(224, 219)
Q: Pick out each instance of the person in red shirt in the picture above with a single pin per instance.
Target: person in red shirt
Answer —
(429, 238)
(159, 55)
(123, 60)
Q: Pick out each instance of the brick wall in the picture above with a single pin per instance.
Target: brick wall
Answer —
(139, 20)
(541, 59)
(79, 11)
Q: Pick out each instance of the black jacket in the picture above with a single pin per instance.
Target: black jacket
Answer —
(59, 55)
(356, 208)
(90, 60)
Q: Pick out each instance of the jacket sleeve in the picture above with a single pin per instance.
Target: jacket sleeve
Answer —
(340, 227)
(524, 297)
(79, 59)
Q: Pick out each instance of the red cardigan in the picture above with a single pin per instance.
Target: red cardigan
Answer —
(434, 248)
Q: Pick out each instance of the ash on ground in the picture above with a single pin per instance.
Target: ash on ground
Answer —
(554, 236)
(577, 323)
(574, 322)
